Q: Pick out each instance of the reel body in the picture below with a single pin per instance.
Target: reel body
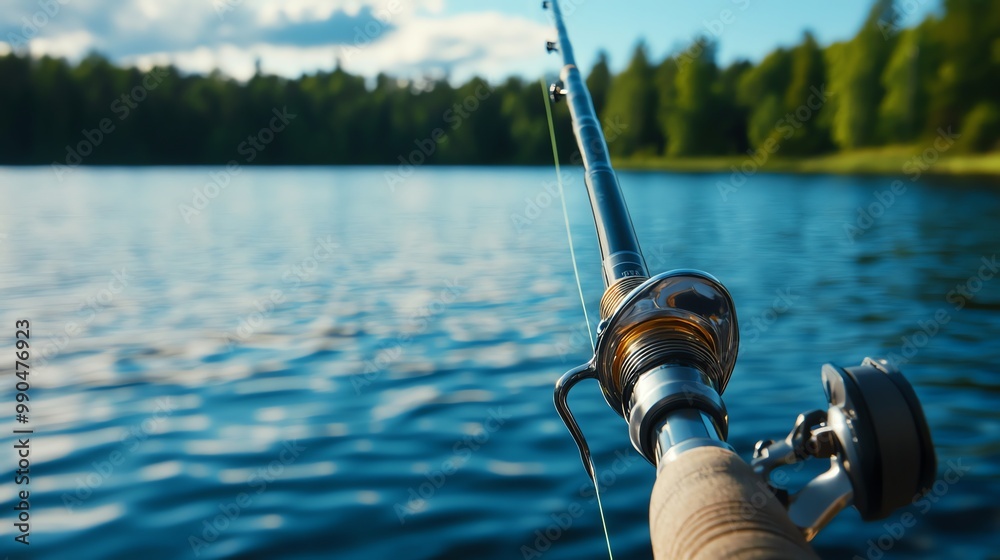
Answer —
(669, 344)
(664, 355)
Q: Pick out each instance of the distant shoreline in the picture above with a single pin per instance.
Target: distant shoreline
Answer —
(894, 160)
(904, 161)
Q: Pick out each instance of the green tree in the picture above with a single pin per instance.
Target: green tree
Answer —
(665, 82)
(967, 39)
(762, 92)
(599, 82)
(981, 129)
(732, 117)
(888, 85)
(691, 124)
(901, 113)
(856, 79)
(803, 131)
(631, 107)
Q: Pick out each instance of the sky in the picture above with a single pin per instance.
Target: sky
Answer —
(416, 38)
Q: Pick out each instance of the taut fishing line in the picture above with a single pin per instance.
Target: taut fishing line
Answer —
(579, 286)
(562, 198)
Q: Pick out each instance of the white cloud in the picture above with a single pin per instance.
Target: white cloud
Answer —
(150, 10)
(421, 39)
(240, 62)
(273, 12)
(486, 43)
(180, 20)
(70, 45)
(432, 6)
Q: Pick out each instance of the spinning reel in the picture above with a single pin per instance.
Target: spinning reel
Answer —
(876, 438)
(666, 348)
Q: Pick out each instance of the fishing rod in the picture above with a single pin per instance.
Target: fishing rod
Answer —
(666, 348)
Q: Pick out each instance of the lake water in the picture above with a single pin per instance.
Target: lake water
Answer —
(311, 364)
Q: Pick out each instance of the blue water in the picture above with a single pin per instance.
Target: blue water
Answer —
(315, 365)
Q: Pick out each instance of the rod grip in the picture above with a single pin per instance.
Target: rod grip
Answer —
(709, 504)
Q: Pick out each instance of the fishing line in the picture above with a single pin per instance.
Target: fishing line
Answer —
(579, 286)
(562, 198)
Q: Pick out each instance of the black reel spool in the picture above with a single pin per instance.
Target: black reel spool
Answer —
(876, 438)
(882, 432)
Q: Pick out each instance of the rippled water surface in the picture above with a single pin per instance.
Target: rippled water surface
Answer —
(313, 365)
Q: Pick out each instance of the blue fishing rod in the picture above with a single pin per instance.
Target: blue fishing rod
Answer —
(666, 348)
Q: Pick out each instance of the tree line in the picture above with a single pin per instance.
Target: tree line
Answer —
(887, 85)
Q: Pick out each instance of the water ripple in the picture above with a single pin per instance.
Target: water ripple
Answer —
(397, 399)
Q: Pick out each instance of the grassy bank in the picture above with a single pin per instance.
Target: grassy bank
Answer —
(894, 160)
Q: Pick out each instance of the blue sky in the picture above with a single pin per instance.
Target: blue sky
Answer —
(415, 38)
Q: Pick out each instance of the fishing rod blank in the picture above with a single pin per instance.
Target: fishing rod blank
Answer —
(620, 254)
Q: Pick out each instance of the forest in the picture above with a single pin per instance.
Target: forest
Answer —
(888, 85)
